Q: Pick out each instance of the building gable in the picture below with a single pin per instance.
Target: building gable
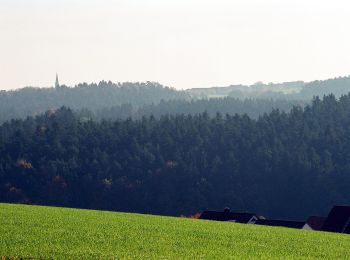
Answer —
(337, 220)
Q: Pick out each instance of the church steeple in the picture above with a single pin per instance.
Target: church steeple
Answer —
(57, 84)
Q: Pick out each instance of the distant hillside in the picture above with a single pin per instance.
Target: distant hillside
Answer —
(338, 86)
(297, 90)
(32, 232)
(32, 101)
(141, 99)
(243, 91)
(107, 100)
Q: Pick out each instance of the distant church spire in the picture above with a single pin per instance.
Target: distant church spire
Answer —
(57, 84)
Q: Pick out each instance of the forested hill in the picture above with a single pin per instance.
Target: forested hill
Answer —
(107, 100)
(252, 107)
(338, 86)
(283, 165)
(121, 101)
(33, 101)
(297, 90)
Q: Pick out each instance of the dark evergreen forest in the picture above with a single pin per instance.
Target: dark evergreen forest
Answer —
(282, 164)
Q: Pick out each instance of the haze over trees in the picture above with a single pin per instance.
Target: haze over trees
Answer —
(297, 90)
(283, 165)
(227, 105)
(121, 100)
(33, 101)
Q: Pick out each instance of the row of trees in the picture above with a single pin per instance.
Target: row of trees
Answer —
(286, 165)
(252, 107)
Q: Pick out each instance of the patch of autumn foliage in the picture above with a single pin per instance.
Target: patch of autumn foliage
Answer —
(22, 163)
(195, 215)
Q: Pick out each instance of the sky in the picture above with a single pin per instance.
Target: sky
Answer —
(179, 43)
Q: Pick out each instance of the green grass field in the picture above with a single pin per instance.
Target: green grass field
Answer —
(59, 233)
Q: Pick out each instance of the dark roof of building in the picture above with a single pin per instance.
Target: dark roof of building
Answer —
(338, 219)
(316, 222)
(227, 216)
(347, 229)
(280, 223)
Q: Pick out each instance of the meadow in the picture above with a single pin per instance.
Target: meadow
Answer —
(39, 232)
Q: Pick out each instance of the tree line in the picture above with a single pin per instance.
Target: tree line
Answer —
(228, 105)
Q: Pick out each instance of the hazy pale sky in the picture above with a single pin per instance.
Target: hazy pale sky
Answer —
(179, 43)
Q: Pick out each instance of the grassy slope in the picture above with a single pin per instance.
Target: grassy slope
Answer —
(43, 232)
